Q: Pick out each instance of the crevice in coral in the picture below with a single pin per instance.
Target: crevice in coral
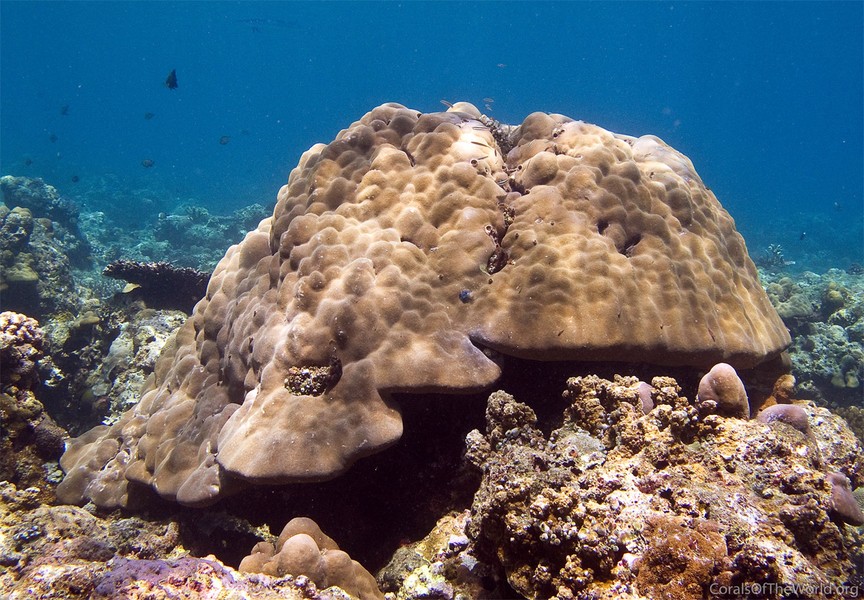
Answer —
(629, 246)
(501, 133)
(499, 257)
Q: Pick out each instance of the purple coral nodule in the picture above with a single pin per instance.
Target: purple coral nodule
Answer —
(791, 414)
(843, 503)
(645, 390)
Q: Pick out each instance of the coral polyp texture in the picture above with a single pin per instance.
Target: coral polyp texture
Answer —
(303, 550)
(401, 256)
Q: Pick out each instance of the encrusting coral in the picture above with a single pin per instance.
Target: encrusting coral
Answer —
(791, 414)
(401, 257)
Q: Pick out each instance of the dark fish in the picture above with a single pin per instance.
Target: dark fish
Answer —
(28, 161)
(75, 179)
(148, 116)
(803, 235)
(147, 163)
(224, 139)
(64, 110)
(171, 80)
(52, 138)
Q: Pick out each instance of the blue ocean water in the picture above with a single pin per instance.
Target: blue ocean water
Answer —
(765, 98)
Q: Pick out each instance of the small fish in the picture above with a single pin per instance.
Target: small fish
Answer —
(28, 161)
(501, 65)
(64, 110)
(838, 207)
(171, 80)
(147, 163)
(489, 100)
(148, 116)
(224, 139)
(53, 138)
(803, 235)
(75, 179)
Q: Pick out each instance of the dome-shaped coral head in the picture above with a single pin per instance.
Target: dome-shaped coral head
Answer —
(396, 258)
(722, 387)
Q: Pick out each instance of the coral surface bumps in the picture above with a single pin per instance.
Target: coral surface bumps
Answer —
(304, 550)
(401, 256)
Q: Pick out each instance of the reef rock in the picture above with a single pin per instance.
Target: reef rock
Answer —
(825, 314)
(29, 437)
(50, 552)
(676, 504)
(442, 565)
(403, 255)
(43, 201)
(115, 382)
(35, 271)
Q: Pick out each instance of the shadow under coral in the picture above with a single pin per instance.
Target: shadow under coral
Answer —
(396, 496)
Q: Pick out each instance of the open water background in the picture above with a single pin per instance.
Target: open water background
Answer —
(765, 98)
